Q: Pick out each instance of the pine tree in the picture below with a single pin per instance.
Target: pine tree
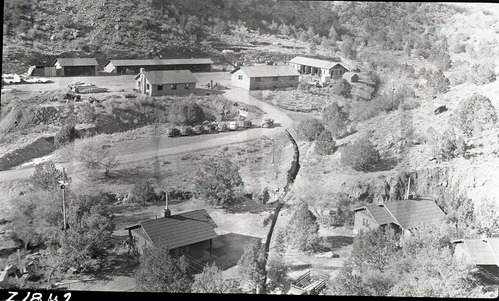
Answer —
(303, 229)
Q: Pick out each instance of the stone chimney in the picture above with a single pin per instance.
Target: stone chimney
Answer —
(167, 211)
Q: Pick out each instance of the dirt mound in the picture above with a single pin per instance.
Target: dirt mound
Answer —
(39, 148)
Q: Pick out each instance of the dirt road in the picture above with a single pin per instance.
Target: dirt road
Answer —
(157, 146)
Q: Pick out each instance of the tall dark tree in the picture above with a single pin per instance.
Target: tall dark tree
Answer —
(335, 119)
(303, 229)
(252, 265)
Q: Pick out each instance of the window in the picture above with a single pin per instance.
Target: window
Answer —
(174, 86)
(147, 87)
(275, 78)
(160, 87)
(258, 79)
(240, 77)
(187, 86)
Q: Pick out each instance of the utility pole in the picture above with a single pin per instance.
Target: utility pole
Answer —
(63, 184)
(272, 150)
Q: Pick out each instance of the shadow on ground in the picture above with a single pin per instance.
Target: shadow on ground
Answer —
(385, 164)
(339, 241)
(228, 249)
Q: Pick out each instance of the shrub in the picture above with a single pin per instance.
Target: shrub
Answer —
(325, 143)
(186, 113)
(310, 128)
(342, 88)
(219, 182)
(475, 115)
(143, 192)
(361, 155)
(482, 73)
(65, 135)
(445, 146)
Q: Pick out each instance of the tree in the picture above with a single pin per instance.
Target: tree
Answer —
(361, 155)
(219, 182)
(475, 115)
(312, 47)
(90, 231)
(335, 120)
(439, 82)
(65, 135)
(186, 113)
(252, 265)
(333, 35)
(310, 31)
(310, 128)
(303, 229)
(93, 156)
(212, 281)
(161, 272)
(325, 143)
(304, 36)
(349, 48)
(447, 145)
(37, 217)
(143, 192)
(343, 88)
(46, 176)
(285, 30)
(277, 269)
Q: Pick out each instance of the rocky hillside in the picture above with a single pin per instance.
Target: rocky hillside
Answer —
(37, 31)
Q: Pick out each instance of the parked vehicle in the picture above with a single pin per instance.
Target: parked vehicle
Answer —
(244, 124)
(233, 126)
(186, 131)
(222, 127)
(210, 128)
(267, 122)
(172, 132)
(198, 129)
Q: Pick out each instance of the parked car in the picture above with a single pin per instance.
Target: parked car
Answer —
(198, 129)
(233, 126)
(244, 124)
(267, 122)
(186, 131)
(222, 127)
(210, 128)
(172, 132)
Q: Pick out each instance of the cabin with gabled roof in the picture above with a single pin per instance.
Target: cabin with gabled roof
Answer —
(404, 214)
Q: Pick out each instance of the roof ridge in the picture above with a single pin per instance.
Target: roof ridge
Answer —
(396, 220)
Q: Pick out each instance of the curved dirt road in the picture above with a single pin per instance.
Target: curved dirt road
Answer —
(156, 146)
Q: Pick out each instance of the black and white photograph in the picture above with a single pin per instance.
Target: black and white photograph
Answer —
(270, 147)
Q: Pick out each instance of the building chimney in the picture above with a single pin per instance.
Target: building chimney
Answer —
(167, 211)
(142, 70)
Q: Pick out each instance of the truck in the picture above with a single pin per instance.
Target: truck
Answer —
(267, 122)
(233, 126)
(222, 127)
(186, 131)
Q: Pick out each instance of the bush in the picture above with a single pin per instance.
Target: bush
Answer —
(475, 115)
(361, 155)
(186, 113)
(65, 135)
(143, 192)
(325, 143)
(445, 146)
(343, 88)
(482, 73)
(219, 182)
(310, 129)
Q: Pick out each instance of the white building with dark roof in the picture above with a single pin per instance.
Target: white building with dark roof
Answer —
(133, 66)
(265, 77)
(157, 83)
(318, 67)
